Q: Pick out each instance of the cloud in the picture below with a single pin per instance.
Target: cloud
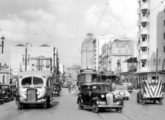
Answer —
(119, 16)
(92, 15)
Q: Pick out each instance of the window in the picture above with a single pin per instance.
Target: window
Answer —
(37, 81)
(143, 38)
(143, 63)
(26, 81)
(144, 1)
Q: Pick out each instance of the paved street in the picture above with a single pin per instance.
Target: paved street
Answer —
(65, 108)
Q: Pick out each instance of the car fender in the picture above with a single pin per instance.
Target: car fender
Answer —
(94, 100)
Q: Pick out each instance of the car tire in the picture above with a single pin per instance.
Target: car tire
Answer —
(119, 110)
(80, 105)
(95, 108)
(19, 106)
(160, 102)
(45, 105)
(143, 101)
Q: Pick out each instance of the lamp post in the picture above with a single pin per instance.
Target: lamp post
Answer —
(2, 43)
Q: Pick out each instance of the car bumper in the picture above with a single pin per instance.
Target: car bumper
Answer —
(110, 106)
(32, 102)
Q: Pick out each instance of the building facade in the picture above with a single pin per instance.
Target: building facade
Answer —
(87, 52)
(28, 58)
(161, 40)
(100, 40)
(114, 55)
(151, 30)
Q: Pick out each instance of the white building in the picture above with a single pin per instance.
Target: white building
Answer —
(149, 35)
(33, 52)
(100, 40)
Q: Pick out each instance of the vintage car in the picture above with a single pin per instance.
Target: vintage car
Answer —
(98, 96)
(7, 93)
(121, 92)
(56, 88)
(34, 88)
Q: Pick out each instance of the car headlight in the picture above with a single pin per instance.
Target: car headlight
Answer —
(102, 96)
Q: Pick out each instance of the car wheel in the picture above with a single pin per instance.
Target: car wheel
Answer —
(19, 106)
(119, 110)
(80, 105)
(143, 101)
(45, 105)
(95, 108)
(160, 102)
(137, 100)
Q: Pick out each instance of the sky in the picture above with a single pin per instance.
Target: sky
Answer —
(64, 23)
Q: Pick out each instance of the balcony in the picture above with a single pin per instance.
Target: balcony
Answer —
(144, 31)
(144, 69)
(143, 44)
(144, 19)
(144, 6)
(143, 56)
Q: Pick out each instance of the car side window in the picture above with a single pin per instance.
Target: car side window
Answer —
(83, 89)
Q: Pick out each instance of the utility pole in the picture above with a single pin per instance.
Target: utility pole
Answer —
(54, 59)
(57, 67)
(156, 63)
(25, 57)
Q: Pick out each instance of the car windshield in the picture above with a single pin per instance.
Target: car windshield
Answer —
(27, 81)
(37, 81)
(100, 88)
(121, 87)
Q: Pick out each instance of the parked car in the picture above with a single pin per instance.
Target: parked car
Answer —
(1, 96)
(34, 88)
(98, 96)
(7, 92)
(56, 88)
(121, 92)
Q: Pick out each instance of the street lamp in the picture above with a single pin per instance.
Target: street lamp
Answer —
(2, 42)
(26, 55)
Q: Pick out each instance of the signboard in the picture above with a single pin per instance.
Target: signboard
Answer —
(88, 78)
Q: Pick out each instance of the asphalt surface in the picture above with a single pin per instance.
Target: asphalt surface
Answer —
(65, 108)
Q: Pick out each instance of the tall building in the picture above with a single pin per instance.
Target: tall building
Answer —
(161, 40)
(148, 35)
(151, 40)
(100, 40)
(87, 52)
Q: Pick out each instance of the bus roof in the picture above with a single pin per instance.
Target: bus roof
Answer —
(37, 73)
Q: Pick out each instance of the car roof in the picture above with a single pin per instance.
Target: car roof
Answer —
(95, 83)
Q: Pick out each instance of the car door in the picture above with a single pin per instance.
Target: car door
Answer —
(84, 94)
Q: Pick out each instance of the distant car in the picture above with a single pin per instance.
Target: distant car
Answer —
(98, 96)
(7, 92)
(56, 88)
(121, 92)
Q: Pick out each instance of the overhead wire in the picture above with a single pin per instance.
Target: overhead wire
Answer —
(102, 15)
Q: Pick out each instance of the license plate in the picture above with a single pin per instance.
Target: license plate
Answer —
(31, 95)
